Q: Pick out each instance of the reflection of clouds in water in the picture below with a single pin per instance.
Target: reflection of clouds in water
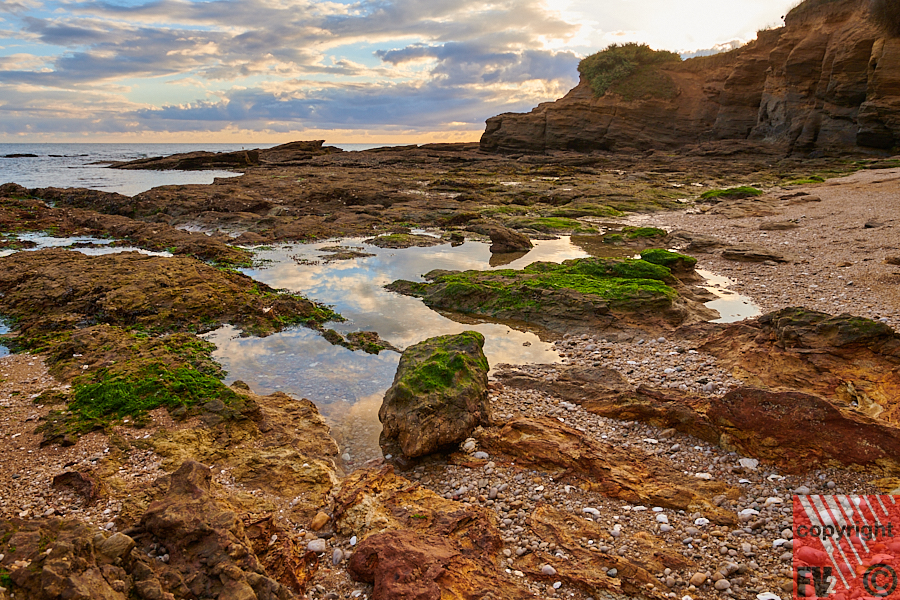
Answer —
(348, 386)
(300, 362)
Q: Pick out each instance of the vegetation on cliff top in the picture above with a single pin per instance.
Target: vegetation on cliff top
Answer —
(631, 70)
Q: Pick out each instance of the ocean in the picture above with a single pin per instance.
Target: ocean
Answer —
(76, 165)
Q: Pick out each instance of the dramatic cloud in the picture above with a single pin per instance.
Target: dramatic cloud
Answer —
(102, 67)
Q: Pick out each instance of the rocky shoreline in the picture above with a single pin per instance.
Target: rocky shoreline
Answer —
(617, 473)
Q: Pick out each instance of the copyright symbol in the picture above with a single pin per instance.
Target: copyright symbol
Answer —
(888, 577)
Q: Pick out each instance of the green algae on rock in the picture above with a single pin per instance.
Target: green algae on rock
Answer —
(119, 328)
(438, 397)
(670, 260)
(589, 293)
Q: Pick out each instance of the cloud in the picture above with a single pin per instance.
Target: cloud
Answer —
(282, 64)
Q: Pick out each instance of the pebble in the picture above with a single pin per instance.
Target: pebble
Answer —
(337, 556)
(722, 585)
(316, 545)
(353, 541)
(698, 579)
(481, 455)
(548, 570)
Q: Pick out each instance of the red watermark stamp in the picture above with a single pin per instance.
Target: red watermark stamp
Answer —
(846, 547)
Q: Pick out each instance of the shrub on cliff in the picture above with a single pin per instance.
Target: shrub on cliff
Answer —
(619, 62)
(886, 14)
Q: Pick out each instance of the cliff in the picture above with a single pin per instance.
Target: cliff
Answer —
(829, 80)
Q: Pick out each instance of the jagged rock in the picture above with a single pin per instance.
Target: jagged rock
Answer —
(438, 397)
(415, 544)
(210, 553)
(296, 459)
(544, 443)
(851, 361)
(749, 253)
(825, 81)
(586, 569)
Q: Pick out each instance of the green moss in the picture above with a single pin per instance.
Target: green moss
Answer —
(665, 258)
(617, 63)
(806, 180)
(643, 232)
(117, 396)
(735, 193)
(587, 210)
(613, 238)
(444, 367)
(551, 224)
(5, 579)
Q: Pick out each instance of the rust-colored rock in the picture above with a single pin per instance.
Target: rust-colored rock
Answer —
(630, 475)
(797, 431)
(84, 484)
(585, 569)
(825, 81)
(850, 361)
(415, 544)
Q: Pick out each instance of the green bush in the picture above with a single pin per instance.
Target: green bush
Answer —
(618, 62)
(886, 14)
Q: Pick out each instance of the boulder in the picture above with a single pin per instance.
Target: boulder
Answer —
(506, 241)
(438, 397)
(798, 431)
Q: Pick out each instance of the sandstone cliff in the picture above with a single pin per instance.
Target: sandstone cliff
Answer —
(829, 80)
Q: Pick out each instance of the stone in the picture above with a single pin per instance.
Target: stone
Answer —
(750, 253)
(506, 241)
(319, 521)
(439, 395)
(698, 579)
(317, 545)
(116, 545)
(722, 585)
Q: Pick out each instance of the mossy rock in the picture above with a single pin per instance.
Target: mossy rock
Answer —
(576, 293)
(671, 260)
(438, 397)
(586, 210)
(551, 225)
(735, 193)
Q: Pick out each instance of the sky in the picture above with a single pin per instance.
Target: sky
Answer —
(271, 71)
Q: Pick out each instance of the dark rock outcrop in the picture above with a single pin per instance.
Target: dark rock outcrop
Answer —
(438, 397)
(503, 239)
(829, 80)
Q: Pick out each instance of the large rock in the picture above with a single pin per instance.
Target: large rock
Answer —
(827, 80)
(438, 397)
(621, 298)
(799, 431)
(851, 361)
(503, 239)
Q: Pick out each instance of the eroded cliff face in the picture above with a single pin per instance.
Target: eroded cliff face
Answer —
(829, 80)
